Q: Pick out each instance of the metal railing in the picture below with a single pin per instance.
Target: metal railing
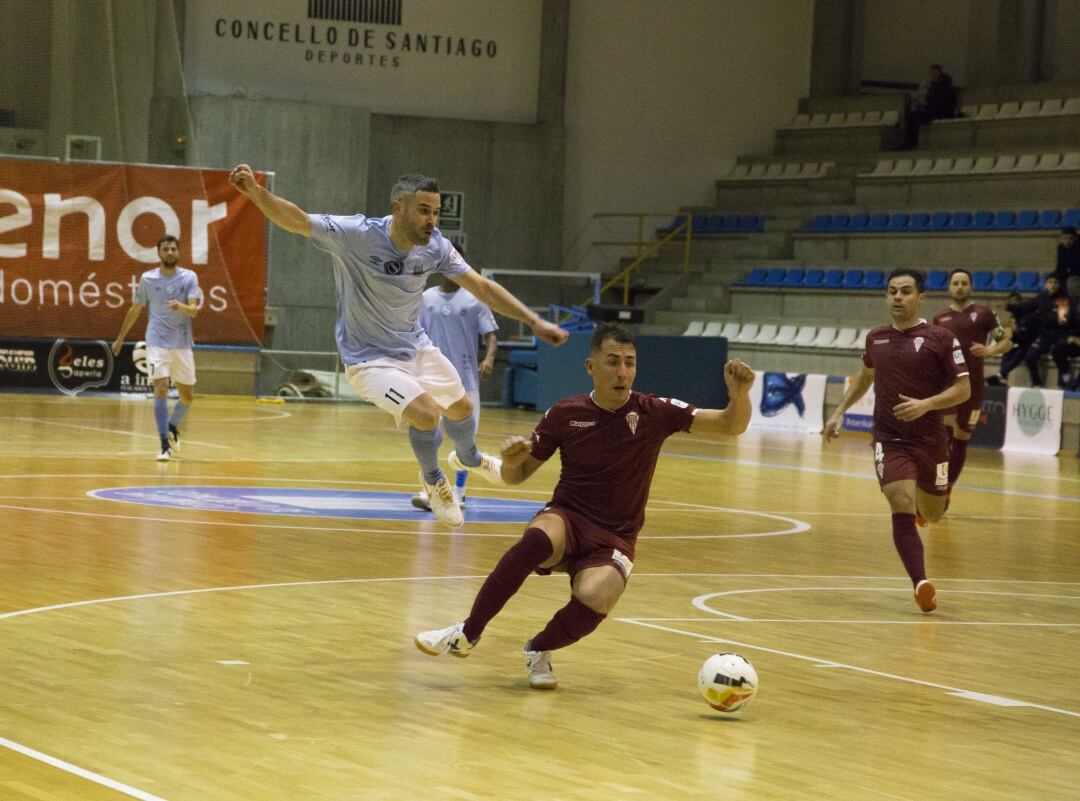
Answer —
(647, 249)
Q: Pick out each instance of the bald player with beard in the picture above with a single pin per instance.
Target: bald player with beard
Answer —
(973, 325)
(917, 370)
(609, 441)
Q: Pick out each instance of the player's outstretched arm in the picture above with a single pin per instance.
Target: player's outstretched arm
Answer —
(860, 385)
(277, 210)
(518, 463)
(129, 320)
(499, 299)
(733, 420)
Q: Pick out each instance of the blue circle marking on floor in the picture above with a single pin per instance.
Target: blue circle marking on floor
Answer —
(315, 503)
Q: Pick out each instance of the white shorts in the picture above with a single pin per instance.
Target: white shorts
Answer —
(392, 384)
(175, 363)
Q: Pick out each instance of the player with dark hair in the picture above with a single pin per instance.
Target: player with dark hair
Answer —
(917, 370)
(973, 325)
(381, 266)
(173, 296)
(609, 441)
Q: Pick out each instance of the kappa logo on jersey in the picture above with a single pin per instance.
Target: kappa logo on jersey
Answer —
(582, 423)
(918, 343)
(881, 341)
(622, 561)
(632, 421)
(677, 402)
(394, 267)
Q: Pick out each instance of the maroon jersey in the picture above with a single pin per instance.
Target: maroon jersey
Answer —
(918, 362)
(608, 458)
(971, 326)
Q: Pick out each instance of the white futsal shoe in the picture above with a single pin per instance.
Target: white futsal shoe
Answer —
(166, 452)
(444, 505)
(490, 467)
(420, 499)
(174, 439)
(450, 640)
(538, 663)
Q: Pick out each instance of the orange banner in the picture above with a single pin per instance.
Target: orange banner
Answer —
(74, 239)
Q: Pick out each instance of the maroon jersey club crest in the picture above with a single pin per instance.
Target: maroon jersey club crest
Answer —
(631, 420)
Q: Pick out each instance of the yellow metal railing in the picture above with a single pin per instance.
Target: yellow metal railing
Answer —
(646, 250)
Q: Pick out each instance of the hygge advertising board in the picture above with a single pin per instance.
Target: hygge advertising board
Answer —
(1033, 424)
(467, 59)
(74, 239)
(73, 366)
(788, 402)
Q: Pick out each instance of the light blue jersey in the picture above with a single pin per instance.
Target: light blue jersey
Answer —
(455, 321)
(166, 327)
(379, 286)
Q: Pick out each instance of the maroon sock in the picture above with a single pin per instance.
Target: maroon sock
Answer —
(569, 625)
(909, 546)
(524, 557)
(957, 457)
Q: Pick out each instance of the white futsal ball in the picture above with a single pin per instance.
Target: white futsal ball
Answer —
(138, 356)
(728, 682)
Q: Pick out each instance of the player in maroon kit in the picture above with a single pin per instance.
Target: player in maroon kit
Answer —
(917, 370)
(610, 440)
(973, 325)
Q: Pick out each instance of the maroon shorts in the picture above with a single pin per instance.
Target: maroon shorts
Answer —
(927, 463)
(589, 545)
(968, 412)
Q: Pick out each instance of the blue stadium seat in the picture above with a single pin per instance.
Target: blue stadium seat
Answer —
(834, 278)
(821, 222)
(699, 223)
(937, 280)
(751, 222)
(775, 276)
(853, 279)
(1050, 218)
(814, 277)
(878, 222)
(874, 279)
(1027, 281)
(960, 221)
(859, 222)
(840, 222)
(794, 277)
(731, 222)
(713, 224)
(675, 223)
(981, 280)
(1071, 217)
(939, 220)
(899, 221)
(1003, 281)
(1027, 219)
(919, 221)
(982, 220)
(1004, 220)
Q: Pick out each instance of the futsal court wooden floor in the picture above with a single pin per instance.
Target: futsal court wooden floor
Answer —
(209, 651)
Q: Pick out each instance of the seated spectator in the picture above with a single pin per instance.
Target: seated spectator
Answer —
(933, 100)
(1055, 320)
(1022, 329)
(1068, 262)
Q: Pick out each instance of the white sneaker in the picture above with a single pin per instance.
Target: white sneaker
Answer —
(538, 663)
(490, 467)
(443, 503)
(174, 439)
(450, 640)
(420, 501)
(165, 454)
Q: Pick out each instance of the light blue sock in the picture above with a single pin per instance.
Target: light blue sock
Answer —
(179, 411)
(463, 432)
(161, 416)
(425, 445)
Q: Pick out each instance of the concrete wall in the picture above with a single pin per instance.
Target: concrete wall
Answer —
(661, 98)
(320, 157)
(901, 38)
(24, 61)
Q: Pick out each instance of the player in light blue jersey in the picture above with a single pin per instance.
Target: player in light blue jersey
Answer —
(381, 266)
(172, 293)
(455, 321)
